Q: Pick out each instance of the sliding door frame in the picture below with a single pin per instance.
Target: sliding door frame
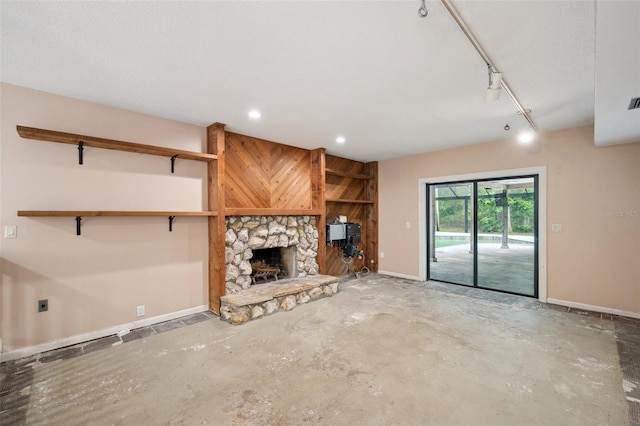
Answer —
(540, 171)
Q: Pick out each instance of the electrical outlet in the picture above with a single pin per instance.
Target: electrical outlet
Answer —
(140, 310)
(556, 227)
(10, 231)
(43, 305)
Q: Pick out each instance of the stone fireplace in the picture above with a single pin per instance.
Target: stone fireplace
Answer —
(296, 235)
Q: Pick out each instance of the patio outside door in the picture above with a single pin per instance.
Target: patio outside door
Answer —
(483, 233)
(451, 238)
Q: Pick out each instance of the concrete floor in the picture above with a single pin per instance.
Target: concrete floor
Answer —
(383, 351)
(500, 269)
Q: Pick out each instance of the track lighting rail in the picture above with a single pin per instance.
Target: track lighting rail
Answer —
(476, 45)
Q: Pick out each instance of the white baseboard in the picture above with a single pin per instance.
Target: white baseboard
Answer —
(92, 335)
(593, 308)
(396, 274)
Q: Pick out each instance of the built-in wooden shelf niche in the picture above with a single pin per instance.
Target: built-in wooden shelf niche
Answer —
(352, 190)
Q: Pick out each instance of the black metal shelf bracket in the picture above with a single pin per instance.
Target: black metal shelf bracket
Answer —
(173, 162)
(78, 220)
(80, 149)
(171, 223)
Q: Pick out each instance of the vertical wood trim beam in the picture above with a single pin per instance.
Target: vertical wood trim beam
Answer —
(318, 203)
(217, 228)
(371, 193)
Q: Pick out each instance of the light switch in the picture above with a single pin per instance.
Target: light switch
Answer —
(556, 227)
(407, 225)
(10, 231)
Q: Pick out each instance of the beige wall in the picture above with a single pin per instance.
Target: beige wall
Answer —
(96, 280)
(594, 261)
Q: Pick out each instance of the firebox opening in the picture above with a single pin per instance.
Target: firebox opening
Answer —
(271, 264)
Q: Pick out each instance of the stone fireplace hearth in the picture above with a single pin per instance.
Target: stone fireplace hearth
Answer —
(247, 233)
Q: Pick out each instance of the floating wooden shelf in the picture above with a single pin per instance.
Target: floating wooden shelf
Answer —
(271, 212)
(337, 200)
(73, 139)
(87, 213)
(79, 214)
(347, 174)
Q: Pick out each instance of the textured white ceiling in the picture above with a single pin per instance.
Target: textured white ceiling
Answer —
(392, 83)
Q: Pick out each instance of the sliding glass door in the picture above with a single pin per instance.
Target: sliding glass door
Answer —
(451, 239)
(483, 233)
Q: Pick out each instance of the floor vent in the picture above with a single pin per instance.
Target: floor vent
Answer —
(635, 103)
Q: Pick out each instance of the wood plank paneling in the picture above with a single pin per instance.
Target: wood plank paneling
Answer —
(241, 211)
(340, 164)
(247, 173)
(290, 178)
(344, 187)
(345, 182)
(354, 213)
(264, 174)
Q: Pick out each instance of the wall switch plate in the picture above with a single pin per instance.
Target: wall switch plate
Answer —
(381, 255)
(407, 225)
(10, 231)
(43, 305)
(556, 227)
(140, 310)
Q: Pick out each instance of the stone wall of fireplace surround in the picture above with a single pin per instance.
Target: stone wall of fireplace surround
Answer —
(245, 233)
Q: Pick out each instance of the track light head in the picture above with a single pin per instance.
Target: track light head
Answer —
(493, 94)
(527, 136)
(495, 79)
(494, 89)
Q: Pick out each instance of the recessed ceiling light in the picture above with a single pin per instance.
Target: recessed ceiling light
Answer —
(341, 139)
(255, 114)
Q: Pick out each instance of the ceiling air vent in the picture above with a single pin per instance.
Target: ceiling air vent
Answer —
(635, 103)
